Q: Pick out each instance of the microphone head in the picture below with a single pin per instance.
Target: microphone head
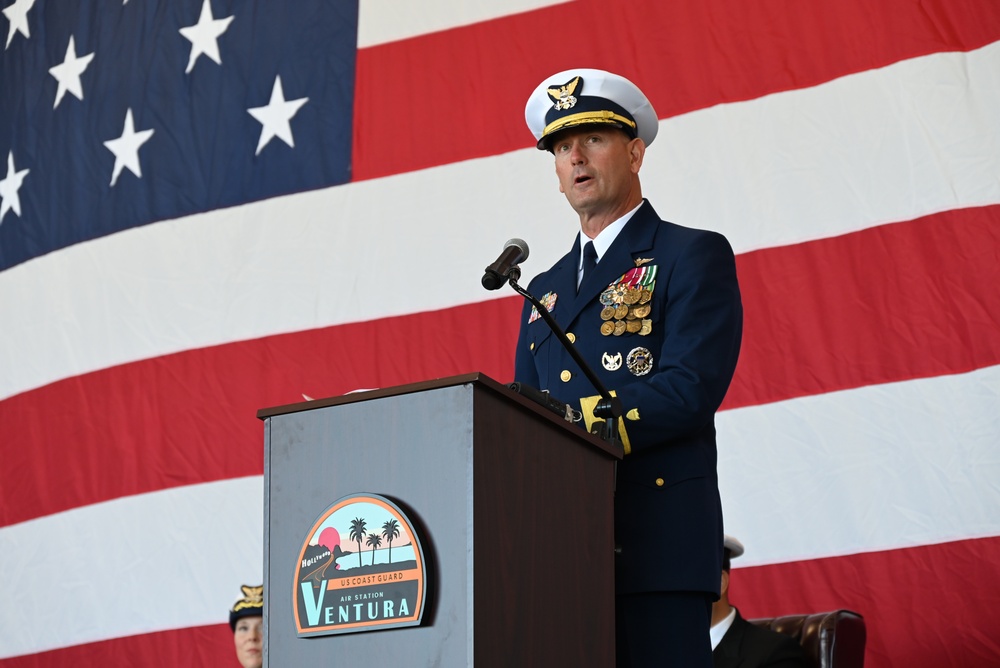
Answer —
(521, 246)
(505, 267)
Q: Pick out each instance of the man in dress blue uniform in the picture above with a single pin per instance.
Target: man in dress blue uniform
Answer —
(655, 309)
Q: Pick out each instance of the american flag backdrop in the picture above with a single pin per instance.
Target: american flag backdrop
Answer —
(212, 206)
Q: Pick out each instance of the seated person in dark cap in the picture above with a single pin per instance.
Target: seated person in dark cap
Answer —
(247, 622)
(738, 643)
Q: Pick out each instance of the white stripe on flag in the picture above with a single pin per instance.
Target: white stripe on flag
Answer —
(138, 564)
(876, 468)
(885, 145)
(381, 21)
(915, 138)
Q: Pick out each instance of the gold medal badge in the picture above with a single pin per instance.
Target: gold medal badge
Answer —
(626, 301)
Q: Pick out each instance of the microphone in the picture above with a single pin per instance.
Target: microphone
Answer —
(515, 251)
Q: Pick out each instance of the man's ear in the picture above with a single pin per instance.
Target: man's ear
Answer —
(637, 150)
(724, 584)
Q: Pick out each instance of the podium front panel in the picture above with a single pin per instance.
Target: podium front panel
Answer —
(415, 449)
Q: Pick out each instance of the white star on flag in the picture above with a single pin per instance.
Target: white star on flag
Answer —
(275, 116)
(126, 148)
(9, 199)
(17, 14)
(204, 36)
(68, 73)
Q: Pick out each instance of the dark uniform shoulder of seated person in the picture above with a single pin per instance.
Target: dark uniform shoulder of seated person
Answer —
(744, 644)
(659, 319)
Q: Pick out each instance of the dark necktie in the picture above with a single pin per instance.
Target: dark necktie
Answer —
(589, 261)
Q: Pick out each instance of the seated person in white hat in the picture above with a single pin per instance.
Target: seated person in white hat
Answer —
(246, 619)
(738, 643)
(654, 309)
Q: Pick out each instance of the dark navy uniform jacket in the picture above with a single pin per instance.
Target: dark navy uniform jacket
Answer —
(748, 646)
(668, 516)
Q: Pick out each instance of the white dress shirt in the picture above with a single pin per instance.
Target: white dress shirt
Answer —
(602, 242)
(719, 630)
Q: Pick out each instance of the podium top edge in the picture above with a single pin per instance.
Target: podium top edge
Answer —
(378, 393)
(475, 377)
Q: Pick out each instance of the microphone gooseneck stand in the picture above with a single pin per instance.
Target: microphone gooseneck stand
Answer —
(609, 407)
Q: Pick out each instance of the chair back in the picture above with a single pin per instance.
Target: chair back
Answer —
(834, 639)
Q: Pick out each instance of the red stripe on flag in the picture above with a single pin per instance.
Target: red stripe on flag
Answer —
(207, 646)
(191, 417)
(915, 601)
(686, 56)
(909, 300)
(926, 287)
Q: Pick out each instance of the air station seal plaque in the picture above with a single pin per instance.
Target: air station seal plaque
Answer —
(361, 568)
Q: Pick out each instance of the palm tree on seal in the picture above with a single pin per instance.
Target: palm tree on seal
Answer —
(375, 541)
(390, 530)
(358, 532)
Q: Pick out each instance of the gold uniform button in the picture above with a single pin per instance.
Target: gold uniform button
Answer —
(565, 376)
(532, 346)
(571, 336)
(659, 482)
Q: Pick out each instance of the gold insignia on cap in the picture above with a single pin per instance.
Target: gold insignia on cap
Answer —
(563, 95)
(639, 261)
(253, 597)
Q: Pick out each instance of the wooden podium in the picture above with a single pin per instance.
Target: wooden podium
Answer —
(513, 506)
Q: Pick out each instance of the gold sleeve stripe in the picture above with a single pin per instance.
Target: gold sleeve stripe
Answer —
(587, 406)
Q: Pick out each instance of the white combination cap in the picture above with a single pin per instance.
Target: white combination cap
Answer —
(589, 97)
(734, 546)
